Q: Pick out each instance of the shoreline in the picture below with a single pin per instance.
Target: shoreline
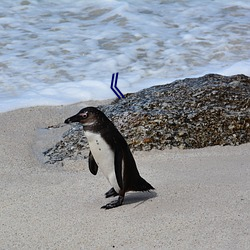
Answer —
(201, 197)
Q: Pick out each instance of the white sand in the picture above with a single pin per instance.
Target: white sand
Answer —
(201, 201)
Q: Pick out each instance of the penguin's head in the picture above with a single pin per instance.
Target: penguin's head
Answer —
(88, 117)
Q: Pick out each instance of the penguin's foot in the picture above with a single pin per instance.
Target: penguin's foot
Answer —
(111, 193)
(113, 204)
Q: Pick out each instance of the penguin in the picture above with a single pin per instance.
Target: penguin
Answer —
(110, 152)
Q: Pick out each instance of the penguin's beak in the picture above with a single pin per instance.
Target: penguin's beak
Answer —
(74, 118)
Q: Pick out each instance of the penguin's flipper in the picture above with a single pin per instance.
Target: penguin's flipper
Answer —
(93, 167)
(111, 193)
(118, 166)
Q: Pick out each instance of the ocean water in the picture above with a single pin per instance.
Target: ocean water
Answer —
(61, 52)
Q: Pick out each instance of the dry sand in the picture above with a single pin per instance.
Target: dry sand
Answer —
(201, 201)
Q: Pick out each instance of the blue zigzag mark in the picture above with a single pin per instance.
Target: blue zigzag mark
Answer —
(116, 89)
(111, 86)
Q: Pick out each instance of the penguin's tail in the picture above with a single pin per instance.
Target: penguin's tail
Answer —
(141, 185)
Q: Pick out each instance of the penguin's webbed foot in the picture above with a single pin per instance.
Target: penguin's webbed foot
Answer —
(111, 193)
(113, 204)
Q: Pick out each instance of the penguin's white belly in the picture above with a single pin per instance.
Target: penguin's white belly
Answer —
(104, 157)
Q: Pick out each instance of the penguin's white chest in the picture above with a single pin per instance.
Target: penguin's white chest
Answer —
(104, 157)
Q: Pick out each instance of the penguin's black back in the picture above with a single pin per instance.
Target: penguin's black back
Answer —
(132, 180)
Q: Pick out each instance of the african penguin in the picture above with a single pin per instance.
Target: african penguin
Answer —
(110, 152)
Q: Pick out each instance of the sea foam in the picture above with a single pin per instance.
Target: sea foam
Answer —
(55, 53)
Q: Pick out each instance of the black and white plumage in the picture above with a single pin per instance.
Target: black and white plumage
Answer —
(110, 152)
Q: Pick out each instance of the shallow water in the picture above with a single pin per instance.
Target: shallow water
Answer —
(62, 52)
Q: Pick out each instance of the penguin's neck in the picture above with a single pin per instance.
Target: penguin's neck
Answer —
(93, 128)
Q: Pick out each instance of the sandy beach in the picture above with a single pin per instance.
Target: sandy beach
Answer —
(201, 198)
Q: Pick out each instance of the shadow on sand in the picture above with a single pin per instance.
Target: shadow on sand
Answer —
(138, 198)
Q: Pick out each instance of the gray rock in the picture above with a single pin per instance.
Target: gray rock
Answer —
(190, 113)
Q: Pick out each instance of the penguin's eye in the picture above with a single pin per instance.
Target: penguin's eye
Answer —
(84, 115)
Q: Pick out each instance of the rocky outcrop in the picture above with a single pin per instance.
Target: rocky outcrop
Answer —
(190, 113)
